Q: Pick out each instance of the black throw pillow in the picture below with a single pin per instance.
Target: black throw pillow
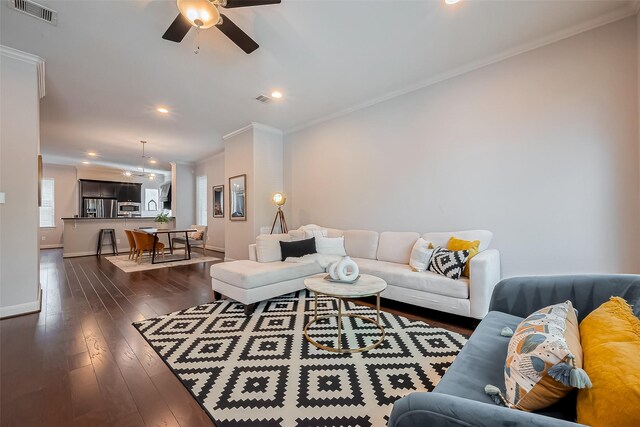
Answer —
(298, 248)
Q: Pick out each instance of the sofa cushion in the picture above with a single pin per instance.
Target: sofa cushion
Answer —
(361, 243)
(250, 274)
(481, 362)
(334, 232)
(330, 246)
(313, 230)
(441, 238)
(403, 275)
(395, 246)
(268, 247)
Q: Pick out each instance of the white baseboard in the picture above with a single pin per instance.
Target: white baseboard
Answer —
(227, 259)
(215, 248)
(59, 245)
(20, 309)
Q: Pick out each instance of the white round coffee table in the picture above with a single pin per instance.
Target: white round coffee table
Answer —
(365, 286)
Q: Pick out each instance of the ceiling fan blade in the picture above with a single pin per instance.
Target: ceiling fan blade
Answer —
(178, 29)
(236, 35)
(246, 3)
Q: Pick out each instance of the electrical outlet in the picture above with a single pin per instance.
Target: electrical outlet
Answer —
(118, 241)
(44, 238)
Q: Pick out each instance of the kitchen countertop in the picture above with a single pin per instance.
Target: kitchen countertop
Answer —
(111, 219)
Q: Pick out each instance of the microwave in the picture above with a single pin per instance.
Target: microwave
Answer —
(128, 209)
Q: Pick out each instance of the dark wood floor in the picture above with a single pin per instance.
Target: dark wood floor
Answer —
(79, 362)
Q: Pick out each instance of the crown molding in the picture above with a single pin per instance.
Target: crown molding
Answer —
(253, 125)
(626, 11)
(266, 128)
(10, 52)
(237, 132)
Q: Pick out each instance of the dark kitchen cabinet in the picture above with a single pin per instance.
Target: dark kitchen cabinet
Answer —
(108, 190)
(130, 192)
(123, 191)
(90, 189)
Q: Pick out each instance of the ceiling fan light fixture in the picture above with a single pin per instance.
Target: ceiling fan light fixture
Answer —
(200, 13)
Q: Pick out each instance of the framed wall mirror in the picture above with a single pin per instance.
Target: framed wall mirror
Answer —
(218, 201)
(238, 198)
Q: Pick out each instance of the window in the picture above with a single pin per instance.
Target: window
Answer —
(47, 216)
(151, 199)
(201, 200)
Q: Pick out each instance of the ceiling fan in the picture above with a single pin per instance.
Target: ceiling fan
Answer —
(204, 14)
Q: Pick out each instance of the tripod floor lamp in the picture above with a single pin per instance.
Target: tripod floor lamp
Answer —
(279, 200)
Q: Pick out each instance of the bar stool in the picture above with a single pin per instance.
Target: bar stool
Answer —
(112, 235)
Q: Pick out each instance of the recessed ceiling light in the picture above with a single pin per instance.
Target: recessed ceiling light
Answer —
(162, 110)
(451, 1)
(85, 163)
(276, 94)
(153, 161)
(91, 153)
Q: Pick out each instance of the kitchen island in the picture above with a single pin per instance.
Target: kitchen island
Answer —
(80, 235)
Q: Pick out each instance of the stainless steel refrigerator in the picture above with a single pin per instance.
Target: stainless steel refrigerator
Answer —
(100, 208)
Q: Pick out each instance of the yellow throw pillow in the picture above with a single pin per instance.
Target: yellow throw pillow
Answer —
(611, 346)
(543, 353)
(464, 245)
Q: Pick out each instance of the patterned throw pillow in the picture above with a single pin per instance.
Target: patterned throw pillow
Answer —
(420, 255)
(460, 245)
(544, 359)
(448, 263)
(197, 235)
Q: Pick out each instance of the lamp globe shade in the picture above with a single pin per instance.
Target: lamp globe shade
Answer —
(278, 199)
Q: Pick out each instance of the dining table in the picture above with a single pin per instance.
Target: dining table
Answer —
(169, 231)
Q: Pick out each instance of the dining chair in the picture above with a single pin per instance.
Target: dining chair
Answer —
(132, 243)
(144, 242)
(193, 242)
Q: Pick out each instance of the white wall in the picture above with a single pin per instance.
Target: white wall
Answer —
(19, 215)
(268, 176)
(238, 160)
(542, 149)
(65, 202)
(183, 194)
(213, 168)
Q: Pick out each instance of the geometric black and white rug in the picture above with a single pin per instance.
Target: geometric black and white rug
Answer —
(261, 371)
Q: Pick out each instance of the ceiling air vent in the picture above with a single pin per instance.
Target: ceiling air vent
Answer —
(35, 10)
(264, 99)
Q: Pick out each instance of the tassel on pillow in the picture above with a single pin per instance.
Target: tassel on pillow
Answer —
(570, 375)
(496, 395)
(506, 332)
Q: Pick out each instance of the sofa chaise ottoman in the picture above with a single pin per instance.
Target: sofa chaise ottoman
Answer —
(459, 398)
(385, 255)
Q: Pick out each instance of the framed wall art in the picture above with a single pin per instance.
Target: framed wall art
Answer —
(238, 198)
(218, 201)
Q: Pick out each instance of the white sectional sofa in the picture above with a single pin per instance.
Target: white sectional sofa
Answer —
(385, 255)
